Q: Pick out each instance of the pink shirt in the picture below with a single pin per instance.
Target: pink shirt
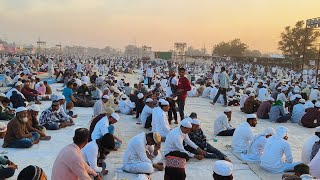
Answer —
(41, 90)
(71, 165)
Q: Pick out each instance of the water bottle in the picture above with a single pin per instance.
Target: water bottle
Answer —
(215, 139)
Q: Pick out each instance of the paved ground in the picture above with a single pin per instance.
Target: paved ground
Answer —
(45, 153)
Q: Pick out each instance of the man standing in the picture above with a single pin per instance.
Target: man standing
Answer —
(142, 154)
(183, 88)
(224, 81)
(243, 135)
(149, 75)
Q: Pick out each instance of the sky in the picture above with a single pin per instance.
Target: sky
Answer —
(155, 23)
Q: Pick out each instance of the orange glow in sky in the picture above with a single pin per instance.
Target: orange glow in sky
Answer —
(156, 23)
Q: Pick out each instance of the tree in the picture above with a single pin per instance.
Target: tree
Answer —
(293, 40)
(195, 52)
(252, 53)
(231, 48)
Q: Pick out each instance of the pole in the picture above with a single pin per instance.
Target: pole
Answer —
(317, 69)
(304, 47)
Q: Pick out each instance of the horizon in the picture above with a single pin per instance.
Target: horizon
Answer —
(159, 24)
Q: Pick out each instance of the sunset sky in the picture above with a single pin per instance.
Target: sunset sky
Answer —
(156, 23)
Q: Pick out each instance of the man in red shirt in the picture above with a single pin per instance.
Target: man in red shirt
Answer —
(183, 88)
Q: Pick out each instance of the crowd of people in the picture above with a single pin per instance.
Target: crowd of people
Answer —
(273, 94)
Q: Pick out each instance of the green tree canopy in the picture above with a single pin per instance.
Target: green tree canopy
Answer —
(292, 41)
(231, 48)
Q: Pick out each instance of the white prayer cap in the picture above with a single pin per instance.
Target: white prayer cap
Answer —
(161, 100)
(105, 97)
(115, 116)
(223, 168)
(112, 88)
(251, 94)
(175, 98)
(116, 91)
(19, 83)
(2, 95)
(85, 82)
(124, 96)
(268, 131)
(164, 103)
(140, 95)
(251, 116)
(302, 101)
(149, 100)
(281, 132)
(298, 96)
(186, 123)
(35, 107)
(227, 110)
(284, 89)
(3, 127)
(20, 109)
(270, 99)
(195, 121)
(41, 82)
(61, 97)
(317, 104)
(317, 129)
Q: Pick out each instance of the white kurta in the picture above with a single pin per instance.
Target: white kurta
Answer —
(90, 153)
(255, 149)
(146, 112)
(273, 157)
(160, 122)
(314, 166)
(174, 142)
(221, 124)
(307, 149)
(125, 107)
(297, 113)
(100, 129)
(135, 159)
(98, 107)
(242, 138)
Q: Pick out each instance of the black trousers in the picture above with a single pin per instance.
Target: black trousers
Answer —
(227, 132)
(222, 91)
(172, 111)
(181, 104)
(6, 173)
(149, 82)
(148, 122)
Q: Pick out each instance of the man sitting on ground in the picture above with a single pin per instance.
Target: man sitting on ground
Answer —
(222, 125)
(17, 135)
(243, 135)
(277, 156)
(197, 136)
(308, 145)
(256, 147)
(33, 124)
(52, 119)
(312, 117)
(143, 154)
